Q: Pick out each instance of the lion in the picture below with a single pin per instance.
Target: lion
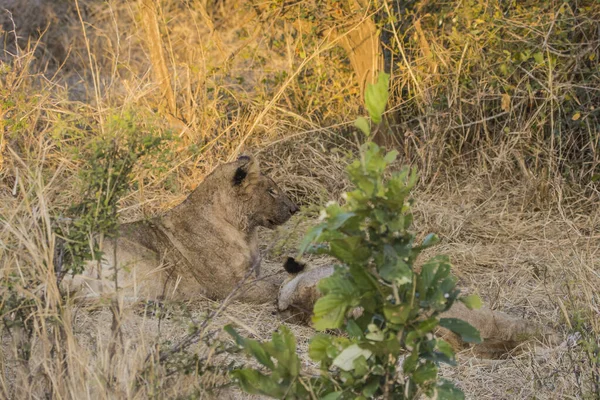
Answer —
(500, 332)
(202, 248)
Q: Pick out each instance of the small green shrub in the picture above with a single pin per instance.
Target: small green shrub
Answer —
(109, 161)
(390, 349)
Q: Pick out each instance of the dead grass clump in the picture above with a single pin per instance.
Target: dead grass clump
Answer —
(499, 88)
(539, 265)
(43, 25)
(496, 104)
(310, 167)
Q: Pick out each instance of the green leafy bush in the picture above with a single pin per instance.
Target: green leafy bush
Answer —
(389, 349)
(107, 174)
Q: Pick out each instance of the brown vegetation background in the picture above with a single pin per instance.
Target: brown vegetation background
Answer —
(496, 103)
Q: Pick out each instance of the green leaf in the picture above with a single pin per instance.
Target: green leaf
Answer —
(473, 302)
(333, 350)
(376, 97)
(338, 283)
(251, 347)
(397, 314)
(255, 349)
(426, 276)
(236, 336)
(331, 396)
(310, 237)
(349, 250)
(253, 382)
(425, 373)
(362, 279)
(378, 370)
(329, 311)
(410, 362)
(427, 326)
(447, 391)
(339, 220)
(345, 360)
(398, 272)
(353, 329)
(283, 348)
(375, 334)
(371, 387)
(465, 330)
(362, 124)
(317, 348)
(433, 273)
(390, 157)
(366, 184)
(446, 352)
(361, 368)
(329, 302)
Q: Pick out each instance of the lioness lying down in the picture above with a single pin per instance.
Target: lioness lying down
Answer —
(500, 332)
(202, 248)
(207, 245)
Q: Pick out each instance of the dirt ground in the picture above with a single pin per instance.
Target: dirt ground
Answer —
(525, 263)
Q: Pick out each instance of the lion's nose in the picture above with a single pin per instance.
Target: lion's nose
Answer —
(294, 209)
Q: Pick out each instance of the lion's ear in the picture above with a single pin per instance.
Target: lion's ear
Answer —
(248, 171)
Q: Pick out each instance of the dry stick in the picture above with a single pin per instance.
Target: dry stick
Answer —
(326, 129)
(281, 90)
(115, 326)
(363, 46)
(95, 74)
(149, 16)
(164, 176)
(313, 125)
(44, 304)
(479, 121)
(2, 141)
(193, 338)
(53, 298)
(211, 28)
(403, 54)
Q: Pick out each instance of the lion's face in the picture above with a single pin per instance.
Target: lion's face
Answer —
(272, 206)
(264, 202)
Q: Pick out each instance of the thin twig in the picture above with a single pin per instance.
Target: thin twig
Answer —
(196, 336)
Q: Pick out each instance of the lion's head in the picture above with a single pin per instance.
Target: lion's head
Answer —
(247, 197)
(267, 204)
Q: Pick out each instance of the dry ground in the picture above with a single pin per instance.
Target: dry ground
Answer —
(540, 265)
(528, 243)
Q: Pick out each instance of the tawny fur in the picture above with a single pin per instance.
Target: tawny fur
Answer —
(202, 248)
(501, 333)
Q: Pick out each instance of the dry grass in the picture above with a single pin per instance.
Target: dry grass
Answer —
(521, 231)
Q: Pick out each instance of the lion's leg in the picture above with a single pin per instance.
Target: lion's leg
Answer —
(259, 291)
(249, 289)
(501, 332)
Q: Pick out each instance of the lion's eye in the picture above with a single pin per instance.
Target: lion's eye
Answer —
(272, 191)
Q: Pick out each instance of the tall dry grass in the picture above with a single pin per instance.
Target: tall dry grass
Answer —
(496, 105)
